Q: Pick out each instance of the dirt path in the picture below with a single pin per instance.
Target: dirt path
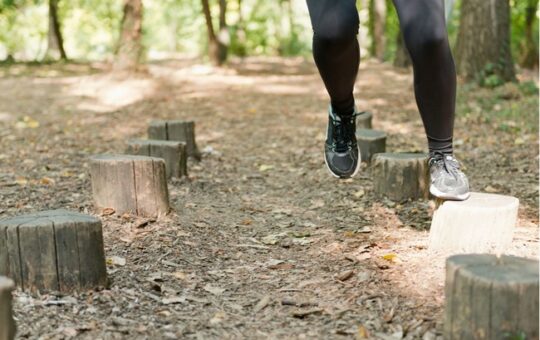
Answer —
(262, 243)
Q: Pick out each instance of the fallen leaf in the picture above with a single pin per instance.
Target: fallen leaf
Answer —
(261, 304)
(116, 260)
(69, 332)
(490, 189)
(179, 275)
(173, 300)
(214, 290)
(345, 275)
(389, 316)
(365, 230)
(47, 181)
(265, 167)
(218, 318)
(270, 239)
(107, 211)
(21, 180)
(362, 332)
(363, 276)
(391, 257)
(359, 193)
(303, 313)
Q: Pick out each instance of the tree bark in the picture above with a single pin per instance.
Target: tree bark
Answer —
(56, 250)
(483, 44)
(491, 297)
(55, 41)
(173, 153)
(400, 176)
(8, 329)
(240, 32)
(217, 49)
(130, 184)
(378, 22)
(529, 57)
(129, 52)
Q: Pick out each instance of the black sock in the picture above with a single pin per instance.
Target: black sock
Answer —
(444, 146)
(345, 109)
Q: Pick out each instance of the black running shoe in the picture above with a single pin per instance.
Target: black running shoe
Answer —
(341, 152)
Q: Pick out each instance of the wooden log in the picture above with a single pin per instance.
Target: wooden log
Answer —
(176, 130)
(363, 120)
(490, 297)
(400, 176)
(370, 142)
(7, 324)
(55, 250)
(130, 184)
(173, 153)
(483, 223)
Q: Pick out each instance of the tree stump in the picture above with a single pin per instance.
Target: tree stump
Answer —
(176, 130)
(7, 324)
(370, 142)
(400, 176)
(363, 120)
(490, 297)
(482, 223)
(54, 250)
(173, 153)
(130, 184)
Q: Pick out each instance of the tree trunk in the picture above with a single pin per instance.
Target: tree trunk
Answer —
(378, 22)
(240, 32)
(55, 41)
(529, 57)
(217, 49)
(483, 44)
(402, 58)
(129, 52)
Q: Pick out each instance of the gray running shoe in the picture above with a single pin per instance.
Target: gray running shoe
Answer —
(447, 180)
(341, 151)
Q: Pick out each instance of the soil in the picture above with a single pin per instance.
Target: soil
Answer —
(262, 242)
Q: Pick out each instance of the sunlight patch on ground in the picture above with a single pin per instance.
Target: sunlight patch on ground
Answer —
(6, 117)
(102, 93)
(395, 128)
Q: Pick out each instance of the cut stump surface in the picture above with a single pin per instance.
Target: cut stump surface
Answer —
(482, 223)
(490, 297)
(400, 176)
(130, 184)
(173, 153)
(370, 142)
(55, 250)
(7, 324)
(176, 130)
(363, 120)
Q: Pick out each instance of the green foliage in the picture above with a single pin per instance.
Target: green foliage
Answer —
(91, 28)
(489, 77)
(391, 31)
(517, 16)
(511, 107)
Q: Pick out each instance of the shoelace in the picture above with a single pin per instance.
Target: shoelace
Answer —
(343, 131)
(450, 164)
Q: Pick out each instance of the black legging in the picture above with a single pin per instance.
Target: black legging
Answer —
(337, 55)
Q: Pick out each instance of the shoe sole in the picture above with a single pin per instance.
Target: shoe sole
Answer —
(355, 170)
(439, 194)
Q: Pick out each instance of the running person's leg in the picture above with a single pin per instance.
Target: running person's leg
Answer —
(337, 55)
(335, 49)
(424, 30)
